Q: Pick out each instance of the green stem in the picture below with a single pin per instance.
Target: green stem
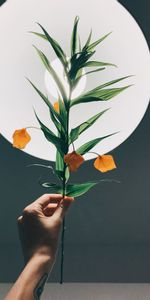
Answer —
(62, 251)
(94, 153)
(63, 231)
(64, 193)
(33, 127)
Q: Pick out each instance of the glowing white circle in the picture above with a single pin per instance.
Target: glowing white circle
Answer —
(126, 47)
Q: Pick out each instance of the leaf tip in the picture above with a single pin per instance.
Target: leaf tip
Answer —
(77, 19)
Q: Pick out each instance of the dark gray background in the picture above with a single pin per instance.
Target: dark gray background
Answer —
(108, 230)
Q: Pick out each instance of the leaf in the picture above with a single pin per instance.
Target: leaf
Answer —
(75, 132)
(78, 77)
(93, 71)
(59, 167)
(89, 145)
(59, 164)
(88, 41)
(106, 94)
(99, 95)
(91, 95)
(76, 190)
(48, 103)
(51, 70)
(93, 45)
(74, 37)
(40, 165)
(90, 64)
(79, 42)
(52, 186)
(77, 62)
(67, 174)
(73, 190)
(56, 123)
(110, 83)
(56, 47)
(39, 35)
(63, 112)
(51, 137)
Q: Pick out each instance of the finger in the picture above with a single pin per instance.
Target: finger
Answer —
(45, 199)
(50, 209)
(63, 207)
(20, 219)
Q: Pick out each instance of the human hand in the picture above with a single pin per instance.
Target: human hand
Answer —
(40, 223)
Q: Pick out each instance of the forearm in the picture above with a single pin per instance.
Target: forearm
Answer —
(32, 280)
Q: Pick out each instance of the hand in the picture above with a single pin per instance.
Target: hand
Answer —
(40, 223)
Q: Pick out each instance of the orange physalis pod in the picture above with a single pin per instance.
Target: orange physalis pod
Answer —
(21, 138)
(74, 160)
(104, 163)
(56, 106)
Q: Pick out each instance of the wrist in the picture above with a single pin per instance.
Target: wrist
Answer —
(41, 259)
(35, 273)
(42, 253)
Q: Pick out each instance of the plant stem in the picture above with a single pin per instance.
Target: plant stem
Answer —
(33, 127)
(64, 193)
(63, 231)
(62, 251)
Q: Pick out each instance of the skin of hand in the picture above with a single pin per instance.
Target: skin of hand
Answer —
(40, 223)
(39, 228)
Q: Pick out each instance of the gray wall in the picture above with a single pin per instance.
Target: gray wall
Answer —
(108, 230)
(91, 291)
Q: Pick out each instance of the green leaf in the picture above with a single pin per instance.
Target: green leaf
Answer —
(93, 71)
(99, 95)
(56, 47)
(67, 174)
(53, 187)
(106, 94)
(51, 70)
(89, 145)
(110, 83)
(74, 37)
(39, 35)
(60, 128)
(90, 64)
(88, 41)
(76, 190)
(56, 123)
(48, 103)
(79, 42)
(77, 62)
(75, 132)
(40, 165)
(51, 137)
(59, 164)
(72, 190)
(92, 95)
(93, 45)
(59, 167)
(60, 174)
(62, 111)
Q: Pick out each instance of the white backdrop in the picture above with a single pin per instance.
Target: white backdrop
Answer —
(126, 47)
